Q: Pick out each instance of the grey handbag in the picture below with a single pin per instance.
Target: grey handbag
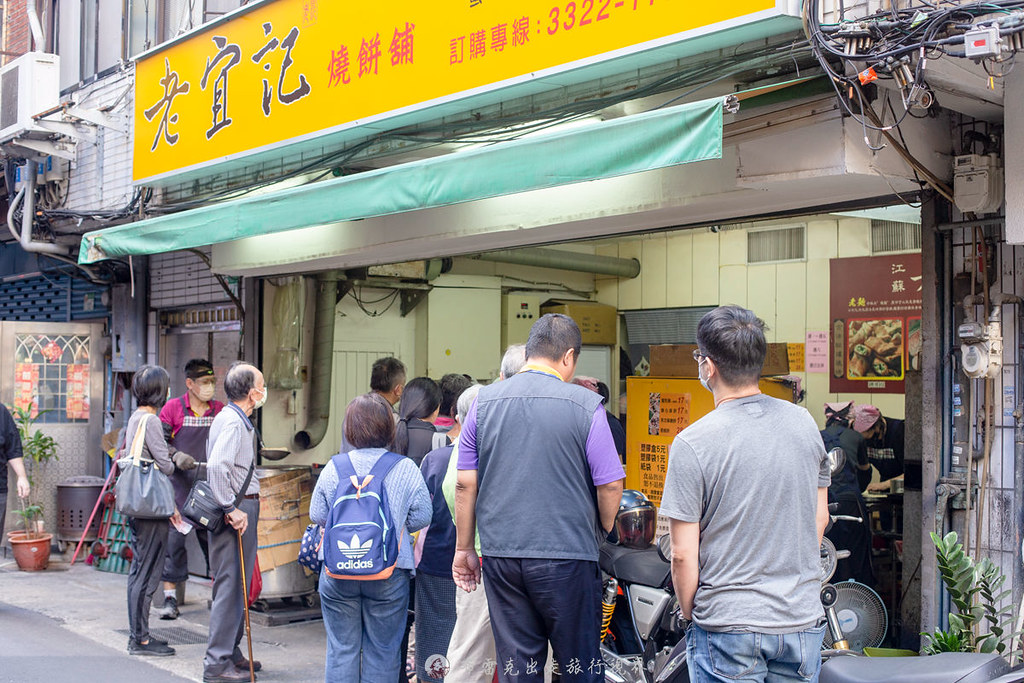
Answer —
(142, 490)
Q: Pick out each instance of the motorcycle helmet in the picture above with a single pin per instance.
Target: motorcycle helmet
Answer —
(636, 521)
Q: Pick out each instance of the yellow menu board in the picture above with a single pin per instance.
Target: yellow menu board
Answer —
(658, 408)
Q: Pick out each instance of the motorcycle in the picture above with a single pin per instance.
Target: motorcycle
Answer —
(642, 627)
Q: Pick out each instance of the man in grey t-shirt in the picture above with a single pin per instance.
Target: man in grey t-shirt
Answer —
(746, 491)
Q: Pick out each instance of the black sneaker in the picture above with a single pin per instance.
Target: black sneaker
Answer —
(170, 609)
(150, 649)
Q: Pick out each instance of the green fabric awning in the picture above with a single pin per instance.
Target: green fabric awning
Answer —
(632, 144)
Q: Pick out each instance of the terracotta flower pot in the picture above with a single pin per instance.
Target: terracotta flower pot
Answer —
(31, 554)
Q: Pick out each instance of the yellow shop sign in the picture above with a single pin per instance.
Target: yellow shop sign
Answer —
(288, 70)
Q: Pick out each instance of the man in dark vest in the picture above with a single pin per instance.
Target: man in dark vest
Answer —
(540, 479)
(186, 421)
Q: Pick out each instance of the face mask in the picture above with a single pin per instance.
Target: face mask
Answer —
(206, 392)
(703, 380)
(261, 401)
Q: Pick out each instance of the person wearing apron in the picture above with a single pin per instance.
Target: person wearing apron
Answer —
(186, 421)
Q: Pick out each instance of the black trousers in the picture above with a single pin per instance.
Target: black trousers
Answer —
(176, 564)
(855, 537)
(534, 601)
(149, 538)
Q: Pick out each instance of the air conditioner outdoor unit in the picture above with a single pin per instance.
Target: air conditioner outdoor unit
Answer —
(28, 86)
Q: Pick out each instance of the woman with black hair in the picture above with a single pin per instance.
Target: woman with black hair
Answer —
(149, 536)
(417, 412)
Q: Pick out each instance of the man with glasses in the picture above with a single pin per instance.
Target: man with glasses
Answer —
(186, 421)
(746, 493)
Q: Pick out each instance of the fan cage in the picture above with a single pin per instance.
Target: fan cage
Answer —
(872, 618)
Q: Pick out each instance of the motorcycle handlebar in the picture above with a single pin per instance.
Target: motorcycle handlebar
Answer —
(847, 518)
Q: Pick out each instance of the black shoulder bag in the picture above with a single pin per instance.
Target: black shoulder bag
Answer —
(201, 507)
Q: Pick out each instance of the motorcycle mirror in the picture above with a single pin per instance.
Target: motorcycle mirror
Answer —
(836, 460)
(665, 548)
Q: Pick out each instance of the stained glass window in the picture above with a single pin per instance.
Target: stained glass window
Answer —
(51, 376)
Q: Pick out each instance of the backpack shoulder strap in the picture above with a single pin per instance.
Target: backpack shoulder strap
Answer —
(384, 465)
(345, 468)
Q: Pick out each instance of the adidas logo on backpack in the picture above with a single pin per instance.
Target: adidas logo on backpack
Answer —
(354, 549)
(361, 541)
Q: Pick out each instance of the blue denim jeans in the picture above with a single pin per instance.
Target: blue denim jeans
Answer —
(364, 621)
(761, 657)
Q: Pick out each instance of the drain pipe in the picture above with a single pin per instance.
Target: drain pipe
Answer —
(318, 412)
(34, 25)
(565, 260)
(27, 194)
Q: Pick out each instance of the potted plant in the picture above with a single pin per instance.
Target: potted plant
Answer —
(32, 546)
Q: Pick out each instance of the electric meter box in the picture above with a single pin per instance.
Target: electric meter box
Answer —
(518, 314)
(977, 183)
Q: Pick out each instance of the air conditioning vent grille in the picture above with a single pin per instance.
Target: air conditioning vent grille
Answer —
(9, 97)
(664, 325)
(779, 244)
(889, 236)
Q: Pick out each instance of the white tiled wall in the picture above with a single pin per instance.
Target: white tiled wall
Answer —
(702, 267)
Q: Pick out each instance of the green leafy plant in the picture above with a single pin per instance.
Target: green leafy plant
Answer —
(37, 447)
(30, 515)
(975, 589)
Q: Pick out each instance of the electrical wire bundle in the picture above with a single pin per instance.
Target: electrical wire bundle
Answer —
(898, 43)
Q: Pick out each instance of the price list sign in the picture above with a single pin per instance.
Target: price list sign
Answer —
(657, 410)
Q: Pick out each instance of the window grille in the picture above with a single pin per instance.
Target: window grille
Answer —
(51, 376)
(890, 236)
(664, 325)
(776, 245)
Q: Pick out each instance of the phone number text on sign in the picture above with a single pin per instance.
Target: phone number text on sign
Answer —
(516, 33)
(565, 18)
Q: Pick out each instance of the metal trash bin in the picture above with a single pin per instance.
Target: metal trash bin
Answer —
(76, 497)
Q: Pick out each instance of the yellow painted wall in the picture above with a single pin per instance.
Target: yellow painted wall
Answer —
(702, 267)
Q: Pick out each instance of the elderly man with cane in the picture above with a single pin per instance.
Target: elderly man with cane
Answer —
(232, 456)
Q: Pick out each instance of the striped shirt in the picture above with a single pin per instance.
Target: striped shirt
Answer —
(231, 450)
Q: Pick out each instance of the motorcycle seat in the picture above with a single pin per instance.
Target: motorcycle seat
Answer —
(644, 567)
(947, 667)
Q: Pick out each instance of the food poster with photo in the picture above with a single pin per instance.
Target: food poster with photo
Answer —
(875, 338)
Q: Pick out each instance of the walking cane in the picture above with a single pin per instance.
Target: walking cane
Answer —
(245, 604)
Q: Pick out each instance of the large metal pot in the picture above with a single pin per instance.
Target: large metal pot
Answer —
(287, 581)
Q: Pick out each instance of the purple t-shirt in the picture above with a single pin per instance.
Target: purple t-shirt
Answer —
(602, 457)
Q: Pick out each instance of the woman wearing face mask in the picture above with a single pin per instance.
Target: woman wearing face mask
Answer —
(186, 423)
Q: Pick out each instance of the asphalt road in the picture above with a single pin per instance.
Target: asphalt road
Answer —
(34, 647)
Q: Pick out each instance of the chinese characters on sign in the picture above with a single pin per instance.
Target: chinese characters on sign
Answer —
(171, 90)
(876, 330)
(668, 413)
(304, 66)
(816, 352)
(26, 382)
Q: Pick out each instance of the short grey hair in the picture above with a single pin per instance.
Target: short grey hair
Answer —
(239, 380)
(466, 399)
(513, 360)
